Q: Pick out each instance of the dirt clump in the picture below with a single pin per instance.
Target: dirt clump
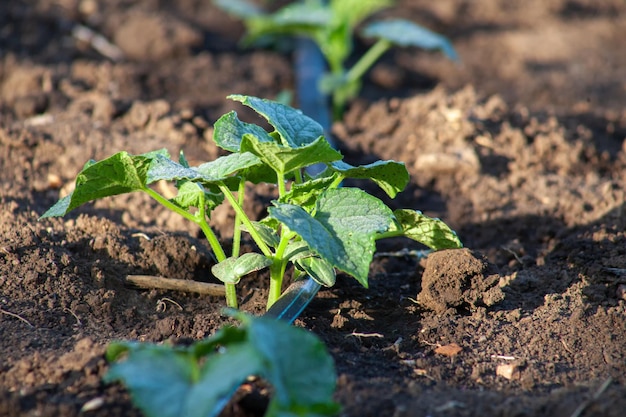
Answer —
(459, 279)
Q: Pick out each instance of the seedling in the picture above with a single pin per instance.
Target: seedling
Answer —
(332, 25)
(198, 380)
(314, 224)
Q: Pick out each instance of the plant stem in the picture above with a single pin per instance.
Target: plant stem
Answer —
(220, 255)
(281, 183)
(367, 60)
(277, 270)
(237, 229)
(246, 221)
(337, 182)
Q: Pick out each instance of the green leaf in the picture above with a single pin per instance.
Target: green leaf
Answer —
(230, 270)
(391, 176)
(431, 232)
(228, 131)
(285, 159)
(295, 129)
(163, 168)
(302, 18)
(321, 271)
(178, 386)
(303, 377)
(119, 174)
(354, 11)
(225, 166)
(343, 229)
(306, 194)
(239, 8)
(297, 250)
(406, 33)
(197, 380)
(267, 234)
(191, 194)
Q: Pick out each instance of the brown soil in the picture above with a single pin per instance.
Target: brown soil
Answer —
(521, 148)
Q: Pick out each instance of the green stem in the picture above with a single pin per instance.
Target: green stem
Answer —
(337, 182)
(237, 229)
(246, 221)
(367, 60)
(281, 183)
(277, 271)
(220, 255)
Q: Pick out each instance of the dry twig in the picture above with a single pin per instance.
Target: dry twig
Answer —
(8, 313)
(162, 283)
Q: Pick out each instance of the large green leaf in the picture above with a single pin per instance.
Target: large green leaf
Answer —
(197, 380)
(297, 365)
(406, 33)
(230, 270)
(391, 176)
(118, 174)
(431, 232)
(284, 159)
(295, 129)
(343, 228)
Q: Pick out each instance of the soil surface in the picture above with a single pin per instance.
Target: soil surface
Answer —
(520, 148)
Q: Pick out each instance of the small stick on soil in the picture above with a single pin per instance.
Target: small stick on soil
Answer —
(8, 313)
(356, 334)
(504, 357)
(162, 283)
(581, 408)
(78, 322)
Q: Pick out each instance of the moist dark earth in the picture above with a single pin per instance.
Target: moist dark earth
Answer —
(520, 147)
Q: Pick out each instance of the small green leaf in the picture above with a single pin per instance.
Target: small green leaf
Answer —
(308, 18)
(295, 129)
(232, 269)
(118, 174)
(228, 131)
(431, 232)
(225, 166)
(354, 11)
(284, 160)
(321, 271)
(191, 194)
(297, 250)
(406, 33)
(391, 176)
(267, 234)
(306, 194)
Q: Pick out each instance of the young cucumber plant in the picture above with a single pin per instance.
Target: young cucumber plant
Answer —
(314, 224)
(331, 25)
(198, 380)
